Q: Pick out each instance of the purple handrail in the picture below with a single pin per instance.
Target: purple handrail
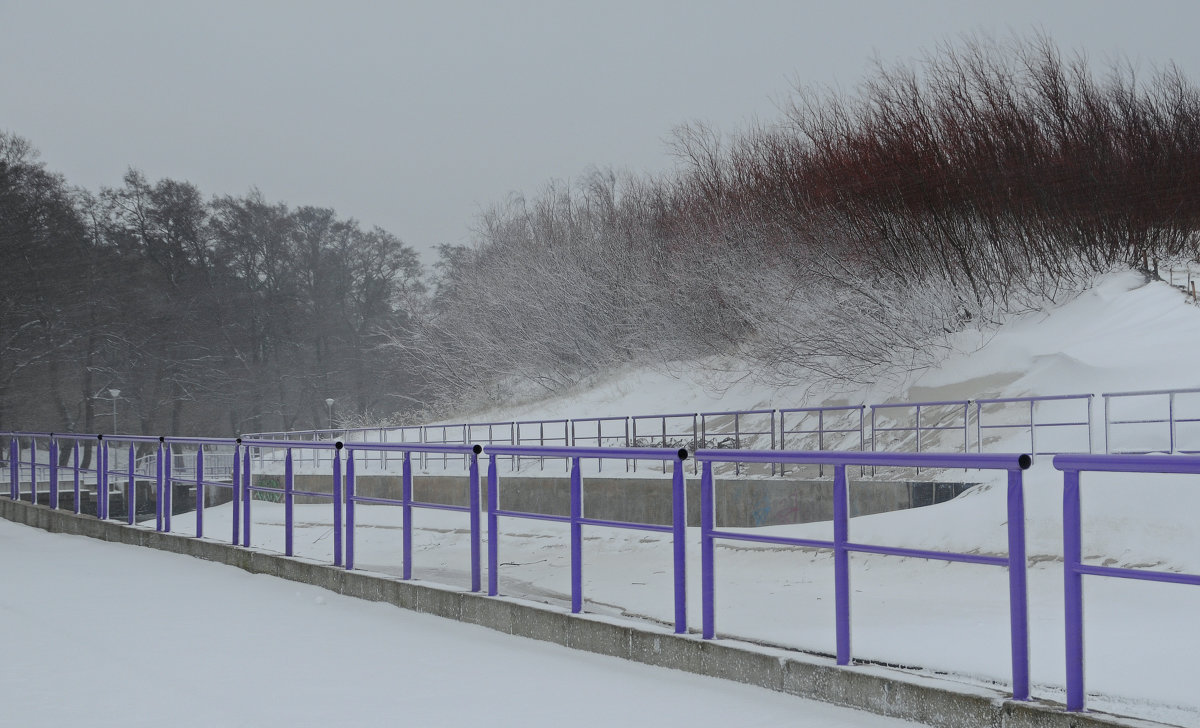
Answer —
(288, 491)
(406, 500)
(1073, 567)
(842, 546)
(577, 520)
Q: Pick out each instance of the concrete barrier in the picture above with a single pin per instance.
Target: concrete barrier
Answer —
(741, 503)
(877, 689)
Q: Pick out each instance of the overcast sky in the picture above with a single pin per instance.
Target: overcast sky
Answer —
(414, 116)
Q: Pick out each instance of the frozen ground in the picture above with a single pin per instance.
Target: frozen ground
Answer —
(103, 634)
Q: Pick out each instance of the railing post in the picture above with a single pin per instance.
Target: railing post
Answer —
(474, 504)
(821, 440)
(679, 541)
(14, 468)
(1073, 589)
(978, 427)
(288, 499)
(1171, 419)
(350, 510)
(101, 478)
(1032, 433)
(406, 488)
(158, 487)
(168, 487)
(1091, 448)
(33, 470)
(53, 455)
(1107, 437)
(75, 471)
(1017, 593)
(199, 491)
(236, 488)
(493, 527)
(576, 538)
(131, 496)
(841, 563)
(337, 502)
(707, 582)
(247, 493)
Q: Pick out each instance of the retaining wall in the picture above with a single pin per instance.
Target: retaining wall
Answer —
(872, 688)
(740, 503)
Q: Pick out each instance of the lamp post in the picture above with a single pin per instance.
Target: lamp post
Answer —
(114, 394)
(329, 404)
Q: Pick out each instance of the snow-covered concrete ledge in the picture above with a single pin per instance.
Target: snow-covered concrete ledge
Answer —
(881, 690)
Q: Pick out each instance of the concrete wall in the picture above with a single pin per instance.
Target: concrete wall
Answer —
(740, 503)
(877, 689)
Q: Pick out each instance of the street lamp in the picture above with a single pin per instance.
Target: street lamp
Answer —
(329, 404)
(114, 393)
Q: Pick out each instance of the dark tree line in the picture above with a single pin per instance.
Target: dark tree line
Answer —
(845, 241)
(223, 315)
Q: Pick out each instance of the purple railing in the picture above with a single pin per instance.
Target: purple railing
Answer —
(842, 546)
(577, 519)
(1033, 423)
(167, 481)
(663, 435)
(1073, 567)
(406, 501)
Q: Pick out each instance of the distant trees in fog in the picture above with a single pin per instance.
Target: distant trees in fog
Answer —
(226, 315)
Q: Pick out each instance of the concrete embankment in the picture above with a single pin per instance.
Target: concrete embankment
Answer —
(872, 688)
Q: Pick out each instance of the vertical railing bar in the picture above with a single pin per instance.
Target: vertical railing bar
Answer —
(1017, 590)
(576, 538)
(493, 504)
(200, 491)
(1073, 589)
(406, 490)
(679, 542)
(350, 510)
(337, 500)
(131, 494)
(473, 502)
(288, 501)
(707, 566)
(841, 563)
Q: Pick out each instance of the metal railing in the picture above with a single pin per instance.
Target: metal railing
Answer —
(1171, 419)
(1032, 423)
(408, 503)
(822, 431)
(842, 547)
(577, 519)
(739, 431)
(918, 427)
(1073, 567)
(677, 436)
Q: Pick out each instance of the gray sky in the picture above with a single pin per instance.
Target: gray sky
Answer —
(415, 115)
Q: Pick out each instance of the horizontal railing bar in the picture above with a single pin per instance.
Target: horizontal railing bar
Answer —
(266, 489)
(313, 493)
(291, 444)
(201, 440)
(990, 461)
(780, 540)
(440, 506)
(838, 408)
(375, 500)
(737, 412)
(659, 417)
(925, 554)
(947, 403)
(1034, 398)
(1170, 577)
(534, 516)
(1128, 463)
(1026, 425)
(1150, 392)
(626, 524)
(611, 453)
(429, 447)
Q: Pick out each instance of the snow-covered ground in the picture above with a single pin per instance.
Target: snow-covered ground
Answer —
(103, 634)
(1141, 638)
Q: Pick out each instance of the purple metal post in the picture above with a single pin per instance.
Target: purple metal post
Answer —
(337, 503)
(406, 488)
(168, 487)
(75, 469)
(131, 494)
(474, 504)
(707, 604)
(350, 510)
(32, 470)
(236, 496)
(1017, 593)
(14, 469)
(246, 493)
(841, 563)
(288, 499)
(158, 487)
(53, 455)
(199, 491)
(493, 527)
(576, 537)
(1073, 588)
(679, 543)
